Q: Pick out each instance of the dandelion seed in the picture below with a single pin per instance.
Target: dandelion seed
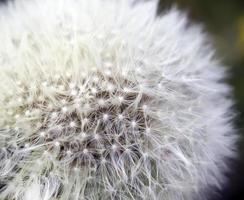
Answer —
(57, 144)
(20, 100)
(144, 107)
(110, 87)
(63, 101)
(83, 135)
(61, 87)
(145, 154)
(27, 145)
(68, 74)
(27, 113)
(121, 99)
(108, 64)
(85, 151)
(64, 109)
(69, 152)
(44, 84)
(103, 161)
(127, 150)
(56, 76)
(101, 102)
(42, 134)
(95, 79)
(72, 124)
(100, 36)
(17, 116)
(148, 130)
(120, 116)
(54, 114)
(105, 117)
(85, 120)
(74, 92)
(72, 85)
(96, 137)
(126, 89)
(133, 123)
(93, 90)
(10, 112)
(76, 169)
(114, 147)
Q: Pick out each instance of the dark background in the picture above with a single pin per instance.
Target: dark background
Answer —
(224, 21)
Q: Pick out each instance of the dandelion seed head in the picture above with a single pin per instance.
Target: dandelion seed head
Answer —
(102, 100)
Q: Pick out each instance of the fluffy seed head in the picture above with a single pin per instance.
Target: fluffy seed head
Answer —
(102, 99)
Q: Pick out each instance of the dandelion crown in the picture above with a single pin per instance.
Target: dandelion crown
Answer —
(102, 99)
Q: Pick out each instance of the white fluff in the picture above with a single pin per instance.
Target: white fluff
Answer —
(102, 99)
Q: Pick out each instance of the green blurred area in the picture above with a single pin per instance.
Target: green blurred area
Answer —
(224, 21)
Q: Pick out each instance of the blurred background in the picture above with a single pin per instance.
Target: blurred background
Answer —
(224, 21)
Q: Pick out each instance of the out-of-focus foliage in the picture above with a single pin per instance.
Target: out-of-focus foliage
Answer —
(224, 20)
(241, 35)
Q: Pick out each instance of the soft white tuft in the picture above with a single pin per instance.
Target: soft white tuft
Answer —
(102, 99)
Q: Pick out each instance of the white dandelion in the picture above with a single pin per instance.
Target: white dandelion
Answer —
(103, 99)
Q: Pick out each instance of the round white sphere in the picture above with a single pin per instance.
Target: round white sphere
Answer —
(113, 101)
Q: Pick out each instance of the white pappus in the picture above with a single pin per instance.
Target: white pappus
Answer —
(103, 99)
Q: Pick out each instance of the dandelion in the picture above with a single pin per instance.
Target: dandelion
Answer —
(103, 99)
